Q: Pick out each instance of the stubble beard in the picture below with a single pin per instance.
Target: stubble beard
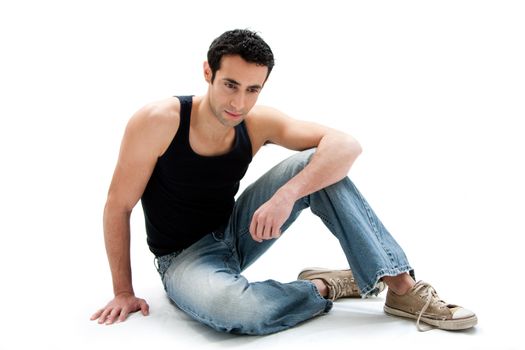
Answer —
(229, 123)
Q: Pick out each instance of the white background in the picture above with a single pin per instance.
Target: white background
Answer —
(434, 91)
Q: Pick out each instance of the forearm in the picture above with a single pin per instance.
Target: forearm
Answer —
(117, 241)
(330, 163)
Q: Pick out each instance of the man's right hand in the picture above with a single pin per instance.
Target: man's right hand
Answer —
(119, 308)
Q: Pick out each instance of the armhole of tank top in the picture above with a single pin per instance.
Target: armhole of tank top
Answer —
(183, 100)
(243, 132)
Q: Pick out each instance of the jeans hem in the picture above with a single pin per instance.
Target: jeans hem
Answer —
(373, 290)
(329, 303)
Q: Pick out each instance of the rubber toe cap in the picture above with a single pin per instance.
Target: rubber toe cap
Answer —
(462, 313)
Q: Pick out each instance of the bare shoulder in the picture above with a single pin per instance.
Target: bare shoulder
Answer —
(156, 123)
(158, 114)
(270, 125)
(268, 120)
(265, 114)
(261, 122)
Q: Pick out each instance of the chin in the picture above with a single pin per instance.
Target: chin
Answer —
(232, 123)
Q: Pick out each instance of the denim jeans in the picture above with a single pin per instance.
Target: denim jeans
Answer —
(205, 279)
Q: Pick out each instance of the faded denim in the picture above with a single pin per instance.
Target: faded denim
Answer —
(205, 280)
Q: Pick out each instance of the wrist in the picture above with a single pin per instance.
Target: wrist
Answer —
(124, 293)
(287, 194)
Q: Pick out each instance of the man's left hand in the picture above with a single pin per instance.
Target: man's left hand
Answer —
(270, 217)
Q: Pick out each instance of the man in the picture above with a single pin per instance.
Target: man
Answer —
(184, 158)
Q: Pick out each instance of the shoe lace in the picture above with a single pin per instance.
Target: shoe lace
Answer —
(428, 292)
(340, 287)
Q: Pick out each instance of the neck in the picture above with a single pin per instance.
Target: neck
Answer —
(205, 121)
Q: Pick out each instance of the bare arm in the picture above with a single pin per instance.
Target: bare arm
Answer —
(144, 140)
(334, 156)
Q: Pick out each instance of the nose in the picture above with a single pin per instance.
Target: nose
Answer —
(237, 101)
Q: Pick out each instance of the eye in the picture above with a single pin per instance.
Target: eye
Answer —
(230, 85)
(254, 90)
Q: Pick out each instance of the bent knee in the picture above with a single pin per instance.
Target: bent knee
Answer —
(248, 320)
(231, 314)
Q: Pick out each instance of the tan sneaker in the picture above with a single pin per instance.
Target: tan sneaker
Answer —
(423, 304)
(340, 283)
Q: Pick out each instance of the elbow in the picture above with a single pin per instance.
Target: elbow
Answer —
(356, 147)
(352, 148)
(349, 153)
(347, 150)
(114, 206)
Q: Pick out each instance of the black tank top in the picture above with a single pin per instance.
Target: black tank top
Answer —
(189, 195)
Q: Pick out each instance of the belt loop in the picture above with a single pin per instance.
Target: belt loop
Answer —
(156, 263)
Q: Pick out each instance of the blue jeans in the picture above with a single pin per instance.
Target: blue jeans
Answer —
(205, 279)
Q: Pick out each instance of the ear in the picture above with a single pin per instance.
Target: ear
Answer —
(207, 71)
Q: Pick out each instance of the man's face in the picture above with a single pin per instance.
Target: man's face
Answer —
(235, 89)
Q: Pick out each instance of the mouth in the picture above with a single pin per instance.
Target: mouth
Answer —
(233, 115)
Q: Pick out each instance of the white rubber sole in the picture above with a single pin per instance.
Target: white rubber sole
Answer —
(451, 325)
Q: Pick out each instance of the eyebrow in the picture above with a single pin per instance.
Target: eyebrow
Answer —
(235, 82)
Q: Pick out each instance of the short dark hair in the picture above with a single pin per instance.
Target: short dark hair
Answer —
(243, 42)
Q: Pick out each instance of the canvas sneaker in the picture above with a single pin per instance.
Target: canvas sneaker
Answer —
(340, 283)
(423, 304)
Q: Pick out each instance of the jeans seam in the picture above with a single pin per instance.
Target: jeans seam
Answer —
(323, 216)
(243, 232)
(381, 273)
(375, 228)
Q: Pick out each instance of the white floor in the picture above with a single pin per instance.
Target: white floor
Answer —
(356, 323)
(49, 306)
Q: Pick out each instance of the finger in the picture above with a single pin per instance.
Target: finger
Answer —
(113, 315)
(104, 315)
(144, 308)
(123, 314)
(257, 236)
(96, 315)
(276, 233)
(253, 227)
(259, 231)
(267, 232)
